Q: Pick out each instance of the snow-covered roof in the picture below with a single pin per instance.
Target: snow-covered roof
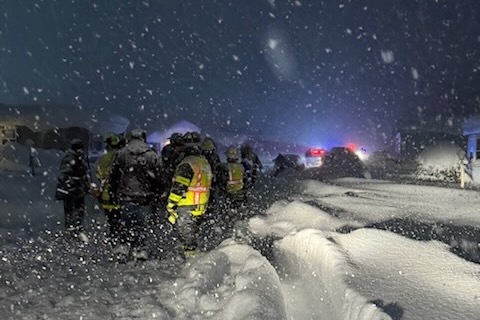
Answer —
(41, 117)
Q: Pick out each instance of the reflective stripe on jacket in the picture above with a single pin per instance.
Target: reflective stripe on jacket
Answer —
(235, 177)
(198, 192)
(102, 167)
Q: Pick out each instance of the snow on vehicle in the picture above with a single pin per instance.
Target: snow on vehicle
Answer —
(314, 157)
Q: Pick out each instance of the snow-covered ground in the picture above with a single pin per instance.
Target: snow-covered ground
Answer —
(347, 248)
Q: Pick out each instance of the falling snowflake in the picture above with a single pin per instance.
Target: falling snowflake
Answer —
(387, 56)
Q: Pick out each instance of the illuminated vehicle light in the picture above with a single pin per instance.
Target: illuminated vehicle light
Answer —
(352, 147)
(315, 153)
(314, 157)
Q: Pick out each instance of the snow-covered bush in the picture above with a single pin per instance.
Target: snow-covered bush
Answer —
(440, 162)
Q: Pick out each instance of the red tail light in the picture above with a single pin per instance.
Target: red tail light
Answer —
(352, 147)
(316, 152)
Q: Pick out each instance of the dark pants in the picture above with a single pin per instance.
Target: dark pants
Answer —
(187, 229)
(74, 210)
(133, 227)
(114, 219)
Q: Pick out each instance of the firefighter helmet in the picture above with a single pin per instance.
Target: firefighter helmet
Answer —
(208, 144)
(113, 140)
(232, 153)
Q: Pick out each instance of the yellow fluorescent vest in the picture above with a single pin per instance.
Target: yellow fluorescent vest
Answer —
(198, 191)
(102, 168)
(235, 177)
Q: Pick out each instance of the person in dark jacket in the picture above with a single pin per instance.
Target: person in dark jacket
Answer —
(135, 182)
(251, 164)
(170, 158)
(73, 184)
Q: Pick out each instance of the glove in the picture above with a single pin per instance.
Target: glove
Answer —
(173, 215)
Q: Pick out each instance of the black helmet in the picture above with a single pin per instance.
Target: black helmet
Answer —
(208, 144)
(176, 138)
(76, 144)
(192, 137)
(113, 140)
(138, 134)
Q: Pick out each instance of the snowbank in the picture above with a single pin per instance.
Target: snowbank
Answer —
(284, 218)
(231, 282)
(312, 255)
(412, 273)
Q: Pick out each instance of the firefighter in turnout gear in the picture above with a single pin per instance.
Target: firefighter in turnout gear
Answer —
(190, 193)
(73, 184)
(113, 142)
(251, 163)
(170, 157)
(135, 182)
(209, 152)
(234, 179)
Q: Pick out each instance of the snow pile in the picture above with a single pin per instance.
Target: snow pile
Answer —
(312, 254)
(408, 273)
(309, 259)
(284, 218)
(440, 162)
(231, 282)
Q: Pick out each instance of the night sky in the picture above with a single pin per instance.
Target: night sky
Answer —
(298, 70)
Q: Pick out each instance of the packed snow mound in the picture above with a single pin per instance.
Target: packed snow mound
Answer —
(231, 282)
(394, 263)
(314, 256)
(440, 162)
(284, 218)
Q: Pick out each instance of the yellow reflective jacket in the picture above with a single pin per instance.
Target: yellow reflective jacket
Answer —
(236, 173)
(102, 170)
(198, 191)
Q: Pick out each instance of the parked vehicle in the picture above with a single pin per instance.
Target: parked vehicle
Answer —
(287, 161)
(314, 157)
